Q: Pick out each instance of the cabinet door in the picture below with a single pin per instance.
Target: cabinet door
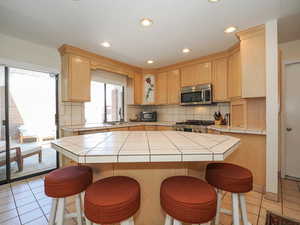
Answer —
(196, 74)
(150, 128)
(174, 87)
(162, 128)
(253, 66)
(137, 83)
(79, 79)
(161, 89)
(204, 71)
(234, 75)
(137, 128)
(219, 80)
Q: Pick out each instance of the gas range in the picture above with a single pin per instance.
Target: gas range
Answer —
(199, 126)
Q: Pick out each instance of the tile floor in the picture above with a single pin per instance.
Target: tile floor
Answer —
(24, 202)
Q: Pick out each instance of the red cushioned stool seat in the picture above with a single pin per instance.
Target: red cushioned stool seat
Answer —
(68, 181)
(112, 200)
(229, 177)
(188, 199)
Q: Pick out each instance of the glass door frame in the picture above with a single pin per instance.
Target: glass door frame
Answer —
(8, 179)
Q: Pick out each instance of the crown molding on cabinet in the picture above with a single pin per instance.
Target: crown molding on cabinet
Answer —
(250, 32)
(100, 62)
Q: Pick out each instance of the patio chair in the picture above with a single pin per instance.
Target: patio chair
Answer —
(20, 151)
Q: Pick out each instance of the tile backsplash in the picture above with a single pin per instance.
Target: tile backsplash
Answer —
(177, 113)
(71, 114)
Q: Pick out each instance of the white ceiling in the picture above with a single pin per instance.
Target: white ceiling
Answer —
(196, 24)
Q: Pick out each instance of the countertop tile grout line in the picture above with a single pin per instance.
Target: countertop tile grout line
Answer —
(181, 153)
(118, 155)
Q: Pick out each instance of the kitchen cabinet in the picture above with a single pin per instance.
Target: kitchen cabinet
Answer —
(137, 88)
(76, 78)
(252, 47)
(161, 95)
(196, 74)
(150, 128)
(119, 129)
(136, 128)
(248, 113)
(173, 87)
(219, 80)
(234, 75)
(164, 128)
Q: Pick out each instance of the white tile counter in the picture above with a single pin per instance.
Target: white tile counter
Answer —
(146, 146)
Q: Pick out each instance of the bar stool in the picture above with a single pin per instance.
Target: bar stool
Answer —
(187, 199)
(112, 200)
(65, 182)
(234, 179)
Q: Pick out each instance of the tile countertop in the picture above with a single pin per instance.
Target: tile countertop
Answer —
(146, 146)
(236, 130)
(95, 126)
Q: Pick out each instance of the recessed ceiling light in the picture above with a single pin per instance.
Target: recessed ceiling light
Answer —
(150, 61)
(106, 44)
(213, 1)
(186, 50)
(230, 29)
(146, 22)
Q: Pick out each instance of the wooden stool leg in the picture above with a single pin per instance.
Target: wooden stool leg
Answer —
(53, 211)
(78, 209)
(176, 222)
(219, 203)
(61, 211)
(235, 209)
(244, 209)
(168, 220)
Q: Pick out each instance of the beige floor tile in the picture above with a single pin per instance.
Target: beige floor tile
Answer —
(31, 216)
(225, 219)
(27, 208)
(8, 215)
(14, 221)
(291, 205)
(272, 206)
(293, 214)
(261, 220)
(21, 195)
(252, 218)
(7, 207)
(25, 201)
(40, 221)
(253, 209)
(6, 199)
(5, 193)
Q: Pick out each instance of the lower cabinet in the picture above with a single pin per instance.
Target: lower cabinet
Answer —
(136, 128)
(132, 128)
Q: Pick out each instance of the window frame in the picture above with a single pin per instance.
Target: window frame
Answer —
(105, 105)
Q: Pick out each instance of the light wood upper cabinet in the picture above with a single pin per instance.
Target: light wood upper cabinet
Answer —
(173, 87)
(234, 75)
(252, 47)
(219, 80)
(161, 96)
(196, 74)
(137, 83)
(76, 78)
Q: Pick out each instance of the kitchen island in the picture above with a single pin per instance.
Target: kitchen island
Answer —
(147, 156)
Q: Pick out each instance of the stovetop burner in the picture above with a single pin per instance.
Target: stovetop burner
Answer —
(196, 122)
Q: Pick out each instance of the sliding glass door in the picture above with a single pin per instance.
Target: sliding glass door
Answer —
(3, 143)
(30, 123)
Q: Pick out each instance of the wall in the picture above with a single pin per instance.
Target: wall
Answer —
(290, 52)
(177, 113)
(27, 55)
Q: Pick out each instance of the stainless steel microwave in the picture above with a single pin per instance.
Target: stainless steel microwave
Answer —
(148, 116)
(196, 95)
